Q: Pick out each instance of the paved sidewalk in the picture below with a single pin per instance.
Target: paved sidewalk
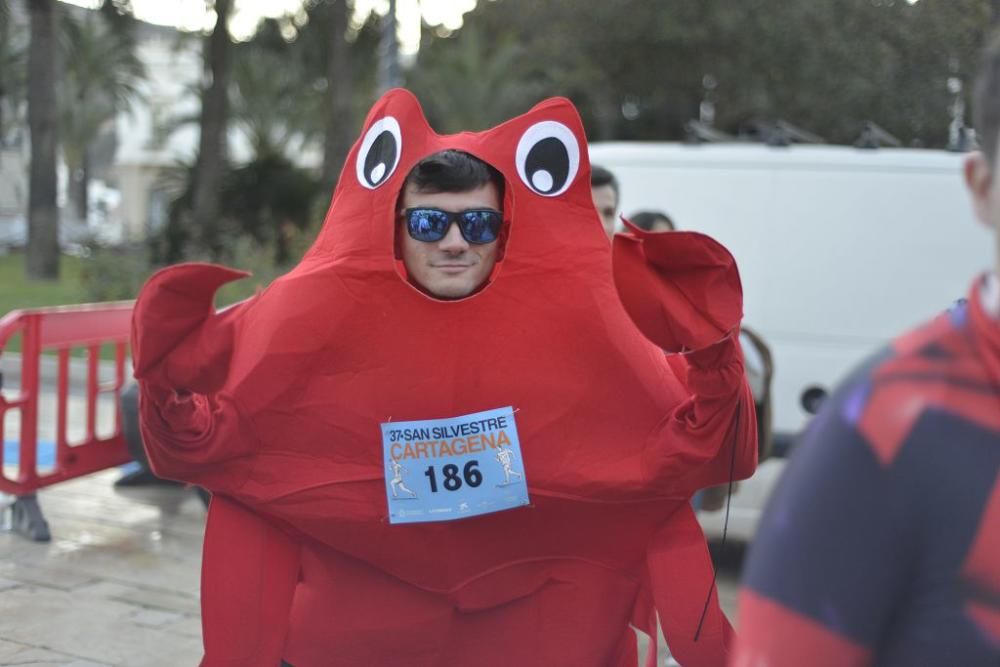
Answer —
(118, 584)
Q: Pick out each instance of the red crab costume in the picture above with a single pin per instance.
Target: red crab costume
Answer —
(275, 405)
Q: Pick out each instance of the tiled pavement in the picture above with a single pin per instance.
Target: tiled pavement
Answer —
(118, 583)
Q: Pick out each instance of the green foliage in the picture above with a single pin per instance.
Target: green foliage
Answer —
(278, 98)
(309, 52)
(824, 65)
(13, 72)
(114, 274)
(278, 93)
(258, 259)
(464, 82)
(117, 274)
(19, 292)
(100, 77)
(270, 199)
(270, 99)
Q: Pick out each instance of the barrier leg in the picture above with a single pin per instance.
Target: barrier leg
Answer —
(28, 519)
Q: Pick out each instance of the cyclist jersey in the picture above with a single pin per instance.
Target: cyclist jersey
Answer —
(881, 544)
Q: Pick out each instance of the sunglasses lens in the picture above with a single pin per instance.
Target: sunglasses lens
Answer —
(426, 224)
(480, 226)
(431, 225)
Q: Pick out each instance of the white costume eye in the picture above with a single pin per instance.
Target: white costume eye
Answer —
(547, 158)
(380, 152)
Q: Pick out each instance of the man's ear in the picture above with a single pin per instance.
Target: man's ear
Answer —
(979, 180)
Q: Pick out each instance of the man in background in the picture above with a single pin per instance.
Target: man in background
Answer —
(881, 544)
(604, 188)
(652, 221)
(759, 366)
(759, 370)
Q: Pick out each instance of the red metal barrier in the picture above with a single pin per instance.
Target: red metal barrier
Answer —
(60, 330)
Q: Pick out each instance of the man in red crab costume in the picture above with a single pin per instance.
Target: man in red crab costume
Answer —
(351, 386)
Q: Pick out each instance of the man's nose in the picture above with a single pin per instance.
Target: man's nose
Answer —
(453, 240)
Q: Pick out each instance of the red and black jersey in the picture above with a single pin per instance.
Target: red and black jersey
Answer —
(881, 544)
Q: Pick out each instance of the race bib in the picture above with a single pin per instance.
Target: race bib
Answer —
(445, 469)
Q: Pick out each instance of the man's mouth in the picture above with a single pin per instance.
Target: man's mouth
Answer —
(452, 268)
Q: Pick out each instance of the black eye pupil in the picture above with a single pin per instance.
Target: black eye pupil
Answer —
(380, 159)
(547, 165)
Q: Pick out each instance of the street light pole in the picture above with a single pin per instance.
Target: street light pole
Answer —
(389, 51)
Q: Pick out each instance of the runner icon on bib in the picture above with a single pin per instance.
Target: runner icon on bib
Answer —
(396, 483)
(505, 457)
(455, 468)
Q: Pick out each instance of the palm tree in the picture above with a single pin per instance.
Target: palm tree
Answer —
(43, 215)
(12, 70)
(101, 76)
(270, 100)
(466, 82)
(211, 145)
(339, 130)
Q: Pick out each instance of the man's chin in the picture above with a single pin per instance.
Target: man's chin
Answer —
(446, 289)
(453, 284)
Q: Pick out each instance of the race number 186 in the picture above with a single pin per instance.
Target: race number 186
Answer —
(451, 480)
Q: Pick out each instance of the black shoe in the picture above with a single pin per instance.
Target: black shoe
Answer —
(143, 477)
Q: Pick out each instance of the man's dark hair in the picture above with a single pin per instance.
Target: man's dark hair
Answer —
(646, 219)
(600, 176)
(453, 171)
(986, 105)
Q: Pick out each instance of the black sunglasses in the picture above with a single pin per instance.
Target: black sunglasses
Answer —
(477, 225)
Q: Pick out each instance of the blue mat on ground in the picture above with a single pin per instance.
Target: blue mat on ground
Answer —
(46, 453)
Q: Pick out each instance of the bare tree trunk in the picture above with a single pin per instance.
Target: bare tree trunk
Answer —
(4, 39)
(211, 147)
(339, 131)
(43, 215)
(81, 182)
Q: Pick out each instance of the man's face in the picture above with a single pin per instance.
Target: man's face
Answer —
(983, 182)
(606, 202)
(451, 268)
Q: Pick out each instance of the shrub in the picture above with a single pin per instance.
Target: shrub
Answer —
(114, 273)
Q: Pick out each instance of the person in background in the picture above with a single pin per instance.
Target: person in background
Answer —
(881, 544)
(652, 221)
(604, 189)
(759, 366)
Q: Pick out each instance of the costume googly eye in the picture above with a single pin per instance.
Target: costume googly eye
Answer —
(380, 152)
(547, 158)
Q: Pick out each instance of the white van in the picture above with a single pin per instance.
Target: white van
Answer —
(840, 249)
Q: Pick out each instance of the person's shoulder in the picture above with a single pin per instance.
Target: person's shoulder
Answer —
(928, 374)
(942, 341)
(938, 358)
